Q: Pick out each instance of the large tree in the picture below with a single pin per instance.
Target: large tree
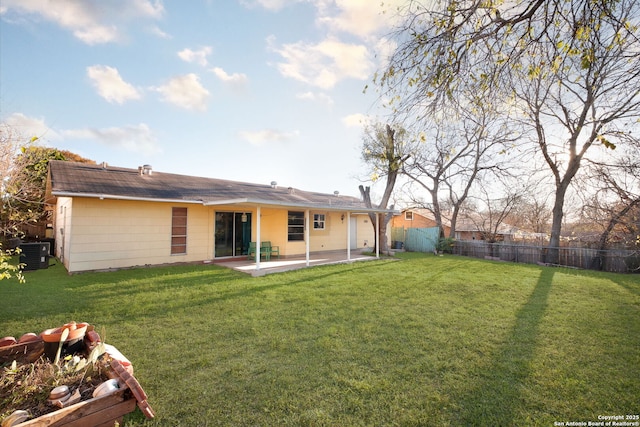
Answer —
(467, 140)
(384, 149)
(23, 169)
(571, 66)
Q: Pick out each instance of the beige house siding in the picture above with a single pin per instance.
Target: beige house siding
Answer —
(333, 237)
(101, 234)
(114, 234)
(364, 231)
(62, 228)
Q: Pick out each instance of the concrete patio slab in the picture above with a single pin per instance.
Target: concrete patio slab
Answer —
(293, 263)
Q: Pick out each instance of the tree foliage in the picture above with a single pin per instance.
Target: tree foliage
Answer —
(385, 150)
(615, 203)
(23, 169)
(568, 68)
(457, 147)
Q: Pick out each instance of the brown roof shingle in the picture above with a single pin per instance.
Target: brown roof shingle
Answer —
(81, 179)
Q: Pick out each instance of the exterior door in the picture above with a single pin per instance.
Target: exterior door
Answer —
(232, 233)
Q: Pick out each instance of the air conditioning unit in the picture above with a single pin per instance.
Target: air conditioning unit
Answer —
(35, 256)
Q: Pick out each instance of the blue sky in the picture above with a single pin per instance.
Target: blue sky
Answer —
(248, 90)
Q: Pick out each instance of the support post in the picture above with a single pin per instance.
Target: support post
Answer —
(377, 235)
(306, 235)
(258, 241)
(348, 236)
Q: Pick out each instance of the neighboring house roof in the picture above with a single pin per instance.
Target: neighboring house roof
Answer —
(420, 211)
(469, 225)
(426, 213)
(73, 179)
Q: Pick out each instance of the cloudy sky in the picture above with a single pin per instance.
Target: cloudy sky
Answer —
(248, 90)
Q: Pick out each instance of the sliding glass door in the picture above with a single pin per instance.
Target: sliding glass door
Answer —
(232, 233)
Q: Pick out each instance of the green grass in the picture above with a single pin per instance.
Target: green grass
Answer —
(423, 341)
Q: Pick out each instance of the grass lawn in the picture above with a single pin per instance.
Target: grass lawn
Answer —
(422, 341)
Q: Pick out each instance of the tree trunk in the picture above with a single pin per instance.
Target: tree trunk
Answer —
(553, 253)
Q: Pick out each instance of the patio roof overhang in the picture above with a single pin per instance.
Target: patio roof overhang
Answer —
(277, 203)
(246, 202)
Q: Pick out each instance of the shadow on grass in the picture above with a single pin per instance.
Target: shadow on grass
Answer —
(497, 396)
(206, 292)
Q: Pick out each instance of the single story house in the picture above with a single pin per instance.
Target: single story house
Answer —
(107, 217)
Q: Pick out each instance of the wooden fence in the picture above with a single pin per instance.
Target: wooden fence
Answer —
(616, 260)
(415, 239)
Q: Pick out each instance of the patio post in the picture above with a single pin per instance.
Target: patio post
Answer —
(258, 238)
(377, 235)
(348, 236)
(306, 234)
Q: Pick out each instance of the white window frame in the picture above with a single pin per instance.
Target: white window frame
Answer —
(319, 224)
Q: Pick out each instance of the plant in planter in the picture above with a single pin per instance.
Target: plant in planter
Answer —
(90, 384)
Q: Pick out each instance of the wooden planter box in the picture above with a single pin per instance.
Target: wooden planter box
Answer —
(103, 411)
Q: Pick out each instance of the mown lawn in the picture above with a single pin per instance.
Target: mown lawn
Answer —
(422, 341)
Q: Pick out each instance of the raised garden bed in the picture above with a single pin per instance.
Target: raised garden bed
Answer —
(66, 378)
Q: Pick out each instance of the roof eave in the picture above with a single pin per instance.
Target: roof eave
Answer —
(237, 201)
(279, 203)
(119, 197)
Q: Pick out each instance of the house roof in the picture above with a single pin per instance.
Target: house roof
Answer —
(466, 224)
(426, 213)
(71, 179)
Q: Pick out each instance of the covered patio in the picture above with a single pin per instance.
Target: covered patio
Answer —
(295, 262)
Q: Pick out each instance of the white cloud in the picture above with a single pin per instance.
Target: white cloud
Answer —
(272, 5)
(323, 64)
(110, 85)
(91, 22)
(316, 97)
(29, 127)
(185, 92)
(236, 80)
(134, 138)
(261, 137)
(356, 120)
(363, 18)
(197, 56)
(159, 33)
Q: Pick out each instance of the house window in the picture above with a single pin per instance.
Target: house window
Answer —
(178, 231)
(318, 221)
(408, 216)
(295, 226)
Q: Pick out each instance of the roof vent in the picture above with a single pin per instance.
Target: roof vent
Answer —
(291, 190)
(336, 193)
(274, 184)
(104, 165)
(145, 170)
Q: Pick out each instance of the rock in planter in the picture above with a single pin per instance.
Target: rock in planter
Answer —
(102, 406)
